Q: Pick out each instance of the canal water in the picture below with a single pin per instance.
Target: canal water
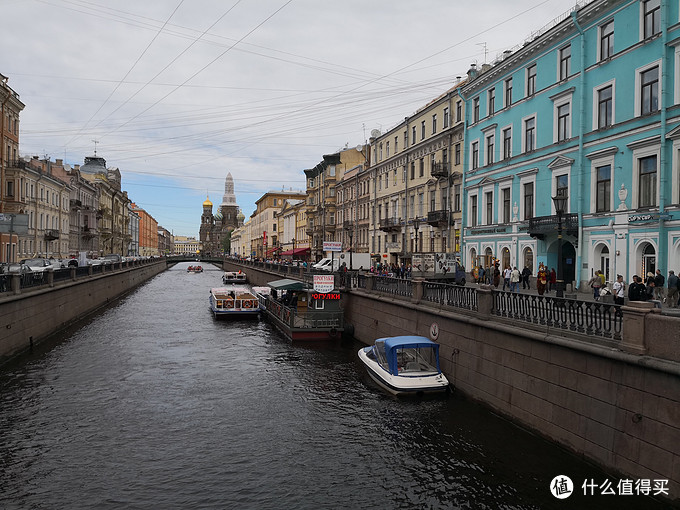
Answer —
(154, 404)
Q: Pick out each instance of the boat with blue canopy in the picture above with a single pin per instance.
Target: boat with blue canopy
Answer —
(405, 365)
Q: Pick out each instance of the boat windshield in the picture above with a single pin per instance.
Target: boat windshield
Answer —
(381, 354)
(417, 359)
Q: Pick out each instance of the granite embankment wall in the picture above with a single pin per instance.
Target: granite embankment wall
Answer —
(618, 407)
(36, 313)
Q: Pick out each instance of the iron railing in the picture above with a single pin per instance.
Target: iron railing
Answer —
(455, 296)
(393, 286)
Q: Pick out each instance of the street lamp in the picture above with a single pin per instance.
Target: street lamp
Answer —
(416, 226)
(351, 235)
(560, 201)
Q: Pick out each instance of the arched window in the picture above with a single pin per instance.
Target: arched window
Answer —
(528, 259)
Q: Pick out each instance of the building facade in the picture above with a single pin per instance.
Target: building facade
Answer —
(586, 110)
(148, 233)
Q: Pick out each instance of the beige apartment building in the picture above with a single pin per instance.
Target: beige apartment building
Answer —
(417, 176)
(321, 209)
(263, 232)
(353, 195)
(186, 245)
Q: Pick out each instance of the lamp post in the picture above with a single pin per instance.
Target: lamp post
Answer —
(416, 226)
(351, 235)
(560, 201)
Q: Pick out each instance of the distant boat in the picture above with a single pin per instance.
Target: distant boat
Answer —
(234, 277)
(233, 301)
(195, 269)
(405, 365)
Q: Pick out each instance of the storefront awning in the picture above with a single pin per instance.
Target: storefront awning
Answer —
(296, 251)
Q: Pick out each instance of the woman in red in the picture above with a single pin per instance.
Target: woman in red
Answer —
(553, 280)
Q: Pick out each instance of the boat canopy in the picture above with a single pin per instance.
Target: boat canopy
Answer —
(419, 347)
(288, 284)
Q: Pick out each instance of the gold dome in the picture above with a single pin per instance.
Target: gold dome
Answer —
(207, 202)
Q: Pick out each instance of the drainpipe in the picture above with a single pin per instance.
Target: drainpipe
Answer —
(579, 171)
(463, 196)
(665, 64)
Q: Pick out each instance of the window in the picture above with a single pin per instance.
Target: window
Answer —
(434, 123)
(606, 40)
(490, 148)
(565, 62)
(446, 118)
(649, 90)
(413, 170)
(414, 135)
(421, 170)
(422, 130)
(387, 149)
(488, 199)
(528, 190)
(505, 192)
(531, 80)
(456, 198)
(433, 201)
(406, 138)
(603, 188)
(530, 134)
(457, 154)
(604, 107)
(473, 211)
(647, 181)
(563, 122)
(10, 188)
(396, 144)
(562, 185)
(508, 92)
(475, 109)
(492, 101)
(459, 111)
(475, 155)
(507, 143)
(651, 10)
(381, 152)
(421, 203)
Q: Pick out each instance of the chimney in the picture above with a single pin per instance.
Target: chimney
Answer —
(472, 72)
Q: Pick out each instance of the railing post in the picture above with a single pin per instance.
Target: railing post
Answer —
(484, 301)
(89, 270)
(634, 315)
(50, 276)
(16, 283)
(73, 273)
(370, 278)
(417, 290)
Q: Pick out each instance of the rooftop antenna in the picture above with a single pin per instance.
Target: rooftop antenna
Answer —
(95, 146)
(486, 51)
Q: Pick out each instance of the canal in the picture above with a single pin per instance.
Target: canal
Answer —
(153, 404)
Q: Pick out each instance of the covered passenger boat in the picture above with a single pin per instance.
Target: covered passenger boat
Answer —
(405, 365)
(234, 277)
(236, 301)
(195, 269)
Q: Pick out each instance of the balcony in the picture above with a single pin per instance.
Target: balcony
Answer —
(438, 218)
(87, 233)
(76, 204)
(545, 225)
(440, 169)
(390, 224)
(51, 235)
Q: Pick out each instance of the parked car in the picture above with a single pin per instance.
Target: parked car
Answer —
(56, 263)
(37, 265)
(113, 257)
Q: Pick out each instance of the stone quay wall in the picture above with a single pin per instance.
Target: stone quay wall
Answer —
(617, 407)
(31, 315)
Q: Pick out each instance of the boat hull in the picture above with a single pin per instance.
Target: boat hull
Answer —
(304, 334)
(403, 384)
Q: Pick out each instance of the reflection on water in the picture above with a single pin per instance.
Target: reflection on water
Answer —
(154, 404)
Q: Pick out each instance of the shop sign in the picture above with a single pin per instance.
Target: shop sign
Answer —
(324, 283)
(642, 217)
(332, 246)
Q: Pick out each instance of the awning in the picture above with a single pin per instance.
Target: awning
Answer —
(288, 284)
(296, 251)
(288, 253)
(270, 251)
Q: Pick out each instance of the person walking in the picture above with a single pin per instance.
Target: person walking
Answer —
(619, 289)
(514, 280)
(672, 294)
(595, 283)
(636, 290)
(526, 275)
(659, 282)
(496, 276)
(553, 280)
(506, 277)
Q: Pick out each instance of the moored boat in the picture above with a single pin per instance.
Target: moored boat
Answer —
(233, 301)
(195, 269)
(405, 365)
(234, 277)
(302, 313)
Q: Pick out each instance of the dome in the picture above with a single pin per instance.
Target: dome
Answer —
(93, 165)
(207, 202)
(241, 216)
(218, 216)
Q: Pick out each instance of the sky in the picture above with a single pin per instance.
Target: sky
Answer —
(177, 93)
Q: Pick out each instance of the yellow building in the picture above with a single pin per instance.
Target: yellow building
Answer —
(263, 234)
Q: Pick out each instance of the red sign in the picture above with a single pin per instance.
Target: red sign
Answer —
(264, 239)
(319, 295)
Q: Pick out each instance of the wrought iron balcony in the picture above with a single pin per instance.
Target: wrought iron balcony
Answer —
(51, 235)
(438, 218)
(545, 225)
(389, 224)
(440, 169)
(76, 204)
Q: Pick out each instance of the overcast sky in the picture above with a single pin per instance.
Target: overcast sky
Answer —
(179, 92)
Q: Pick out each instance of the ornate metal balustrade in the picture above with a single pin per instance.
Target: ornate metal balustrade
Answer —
(585, 317)
(393, 286)
(455, 296)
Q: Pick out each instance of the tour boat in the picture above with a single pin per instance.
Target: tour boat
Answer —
(301, 313)
(234, 277)
(233, 301)
(405, 365)
(195, 269)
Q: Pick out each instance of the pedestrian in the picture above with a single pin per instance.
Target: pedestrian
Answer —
(496, 276)
(553, 280)
(514, 280)
(659, 282)
(506, 277)
(541, 279)
(595, 283)
(619, 289)
(636, 290)
(526, 275)
(481, 274)
(672, 295)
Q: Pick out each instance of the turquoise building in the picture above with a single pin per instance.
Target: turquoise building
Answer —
(589, 108)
